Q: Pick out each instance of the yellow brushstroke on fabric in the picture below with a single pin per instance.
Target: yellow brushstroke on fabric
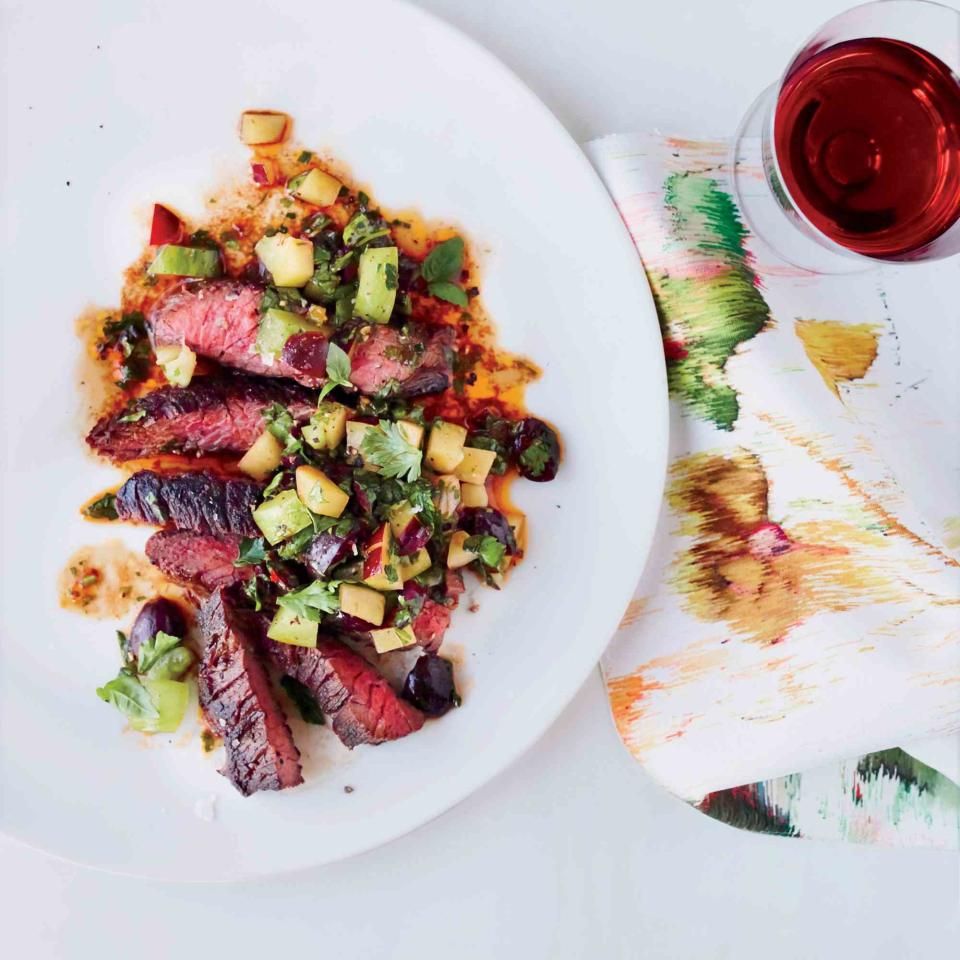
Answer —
(747, 570)
(633, 612)
(837, 466)
(951, 532)
(841, 352)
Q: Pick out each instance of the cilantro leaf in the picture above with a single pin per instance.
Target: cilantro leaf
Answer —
(253, 550)
(490, 550)
(303, 700)
(444, 262)
(536, 457)
(280, 423)
(387, 449)
(338, 370)
(103, 508)
(313, 600)
(129, 696)
(445, 290)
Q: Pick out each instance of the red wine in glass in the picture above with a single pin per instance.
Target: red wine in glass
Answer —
(867, 140)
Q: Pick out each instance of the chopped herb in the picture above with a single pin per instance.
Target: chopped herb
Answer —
(536, 457)
(387, 449)
(305, 156)
(133, 416)
(128, 337)
(271, 488)
(253, 550)
(303, 700)
(313, 600)
(363, 228)
(391, 279)
(313, 225)
(129, 696)
(338, 370)
(251, 589)
(280, 423)
(103, 508)
(490, 550)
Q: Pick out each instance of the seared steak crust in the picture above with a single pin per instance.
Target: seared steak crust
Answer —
(198, 559)
(362, 706)
(409, 364)
(240, 705)
(220, 412)
(197, 501)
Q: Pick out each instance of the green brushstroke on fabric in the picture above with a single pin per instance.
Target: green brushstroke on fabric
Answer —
(748, 809)
(911, 773)
(705, 317)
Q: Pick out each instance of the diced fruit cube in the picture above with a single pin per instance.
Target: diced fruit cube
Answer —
(327, 427)
(377, 275)
(289, 627)
(319, 493)
(262, 126)
(474, 495)
(457, 555)
(362, 602)
(401, 514)
(475, 465)
(281, 516)
(445, 446)
(276, 328)
(170, 698)
(289, 259)
(178, 362)
(380, 563)
(411, 567)
(263, 458)
(356, 431)
(448, 501)
(411, 432)
(174, 261)
(315, 186)
(392, 638)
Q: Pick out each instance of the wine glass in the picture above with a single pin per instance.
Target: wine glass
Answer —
(853, 157)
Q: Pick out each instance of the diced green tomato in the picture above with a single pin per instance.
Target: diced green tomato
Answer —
(174, 261)
(170, 698)
(281, 516)
(327, 427)
(178, 362)
(262, 126)
(289, 259)
(392, 638)
(289, 627)
(277, 327)
(315, 187)
(377, 284)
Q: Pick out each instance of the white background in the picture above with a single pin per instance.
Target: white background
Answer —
(574, 852)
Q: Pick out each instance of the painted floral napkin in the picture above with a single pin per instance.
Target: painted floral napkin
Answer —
(802, 603)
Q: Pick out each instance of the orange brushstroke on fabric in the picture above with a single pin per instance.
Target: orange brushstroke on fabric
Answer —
(633, 612)
(836, 466)
(841, 352)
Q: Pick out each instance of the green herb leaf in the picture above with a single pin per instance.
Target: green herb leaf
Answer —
(271, 488)
(280, 423)
(490, 550)
(338, 370)
(305, 156)
(129, 696)
(363, 228)
(103, 508)
(536, 457)
(253, 550)
(445, 290)
(303, 700)
(172, 665)
(251, 588)
(444, 262)
(153, 649)
(313, 600)
(387, 449)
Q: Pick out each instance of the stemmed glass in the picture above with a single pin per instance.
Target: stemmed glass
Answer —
(853, 157)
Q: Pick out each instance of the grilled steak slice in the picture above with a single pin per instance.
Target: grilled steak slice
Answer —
(362, 706)
(403, 365)
(198, 559)
(217, 319)
(197, 501)
(239, 702)
(213, 413)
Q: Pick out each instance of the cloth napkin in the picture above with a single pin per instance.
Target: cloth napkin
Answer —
(801, 606)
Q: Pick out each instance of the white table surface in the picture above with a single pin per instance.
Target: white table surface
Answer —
(574, 852)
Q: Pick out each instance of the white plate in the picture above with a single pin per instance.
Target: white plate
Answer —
(429, 120)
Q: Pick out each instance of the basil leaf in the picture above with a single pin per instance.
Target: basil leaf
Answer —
(338, 370)
(444, 261)
(129, 696)
(303, 700)
(445, 290)
(253, 550)
(153, 649)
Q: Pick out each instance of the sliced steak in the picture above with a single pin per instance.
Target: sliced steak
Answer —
(213, 413)
(362, 706)
(197, 501)
(409, 364)
(240, 704)
(197, 559)
(219, 319)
